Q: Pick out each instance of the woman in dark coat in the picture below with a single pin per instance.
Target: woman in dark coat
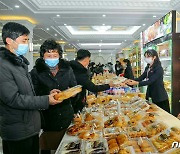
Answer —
(52, 72)
(128, 73)
(118, 68)
(153, 78)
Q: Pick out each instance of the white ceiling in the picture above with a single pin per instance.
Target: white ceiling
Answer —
(82, 14)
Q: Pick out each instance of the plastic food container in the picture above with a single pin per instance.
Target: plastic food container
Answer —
(70, 147)
(163, 141)
(110, 132)
(95, 147)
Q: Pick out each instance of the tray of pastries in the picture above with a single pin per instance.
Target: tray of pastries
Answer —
(68, 93)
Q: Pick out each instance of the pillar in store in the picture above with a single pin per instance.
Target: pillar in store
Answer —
(29, 55)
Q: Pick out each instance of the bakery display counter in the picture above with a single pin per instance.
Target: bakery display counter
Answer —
(123, 124)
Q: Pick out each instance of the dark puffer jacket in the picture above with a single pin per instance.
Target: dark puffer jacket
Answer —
(59, 116)
(82, 77)
(19, 115)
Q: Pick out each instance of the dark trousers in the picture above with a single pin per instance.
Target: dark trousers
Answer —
(26, 146)
(164, 105)
(50, 141)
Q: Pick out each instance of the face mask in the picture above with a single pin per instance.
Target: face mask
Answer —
(148, 60)
(22, 49)
(52, 62)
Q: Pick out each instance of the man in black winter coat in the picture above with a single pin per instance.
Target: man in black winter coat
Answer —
(19, 115)
(80, 70)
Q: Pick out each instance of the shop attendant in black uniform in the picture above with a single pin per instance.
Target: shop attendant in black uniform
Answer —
(153, 78)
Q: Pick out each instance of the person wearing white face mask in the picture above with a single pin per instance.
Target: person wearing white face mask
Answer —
(153, 78)
(19, 107)
(52, 72)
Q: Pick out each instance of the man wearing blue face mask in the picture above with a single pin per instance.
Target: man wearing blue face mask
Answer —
(52, 72)
(19, 115)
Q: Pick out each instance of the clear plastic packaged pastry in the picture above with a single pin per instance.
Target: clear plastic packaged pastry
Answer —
(164, 140)
(142, 145)
(113, 122)
(71, 147)
(110, 132)
(155, 129)
(136, 131)
(68, 93)
(90, 135)
(96, 147)
(77, 128)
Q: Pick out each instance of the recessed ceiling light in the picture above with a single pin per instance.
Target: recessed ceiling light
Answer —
(16, 6)
(103, 24)
(61, 39)
(40, 39)
(65, 24)
(101, 40)
(104, 15)
(55, 34)
(99, 50)
(125, 40)
(100, 45)
(144, 24)
(58, 15)
(154, 16)
(47, 28)
(69, 44)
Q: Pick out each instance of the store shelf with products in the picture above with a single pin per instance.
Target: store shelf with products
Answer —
(135, 59)
(121, 124)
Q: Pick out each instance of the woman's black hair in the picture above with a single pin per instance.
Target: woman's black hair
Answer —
(50, 44)
(153, 53)
(13, 30)
(127, 61)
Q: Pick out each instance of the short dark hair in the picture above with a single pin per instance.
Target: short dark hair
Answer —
(50, 44)
(82, 54)
(13, 30)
